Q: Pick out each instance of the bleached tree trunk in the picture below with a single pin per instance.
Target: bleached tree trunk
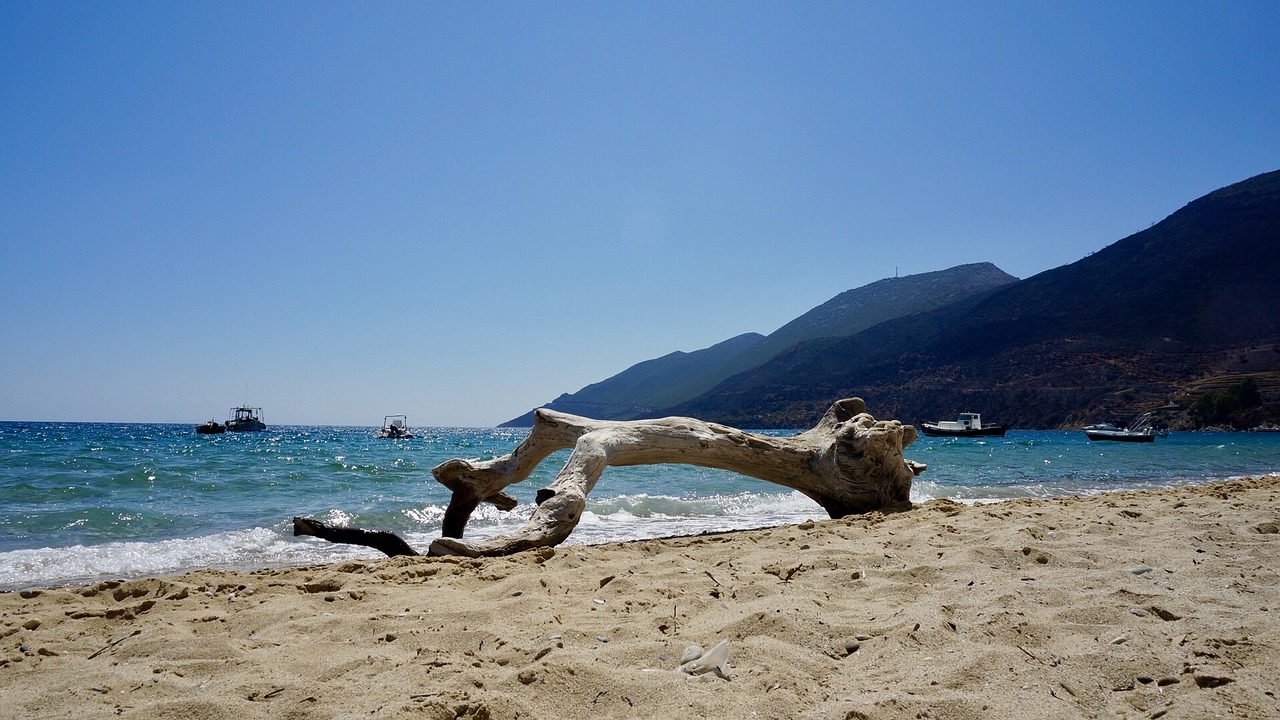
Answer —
(849, 463)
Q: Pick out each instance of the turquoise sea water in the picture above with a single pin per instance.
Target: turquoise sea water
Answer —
(87, 501)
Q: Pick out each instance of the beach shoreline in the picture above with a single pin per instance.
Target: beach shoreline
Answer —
(1154, 603)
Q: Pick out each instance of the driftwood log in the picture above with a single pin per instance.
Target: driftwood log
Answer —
(849, 463)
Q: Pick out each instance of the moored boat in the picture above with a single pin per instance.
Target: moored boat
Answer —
(213, 427)
(1120, 431)
(245, 419)
(967, 424)
(395, 427)
(1110, 431)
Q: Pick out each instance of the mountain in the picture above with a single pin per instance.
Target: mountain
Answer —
(679, 377)
(663, 381)
(853, 311)
(1129, 328)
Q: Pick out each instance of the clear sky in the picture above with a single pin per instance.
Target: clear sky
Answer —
(460, 210)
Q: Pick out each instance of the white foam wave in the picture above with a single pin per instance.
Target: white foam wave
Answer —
(241, 549)
(610, 519)
(634, 517)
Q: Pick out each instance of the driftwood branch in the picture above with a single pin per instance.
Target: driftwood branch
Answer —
(849, 463)
(382, 540)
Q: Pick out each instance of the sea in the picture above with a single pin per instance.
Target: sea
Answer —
(82, 502)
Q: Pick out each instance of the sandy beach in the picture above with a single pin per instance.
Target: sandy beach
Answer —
(1143, 605)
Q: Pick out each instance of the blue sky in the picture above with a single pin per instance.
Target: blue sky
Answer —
(459, 211)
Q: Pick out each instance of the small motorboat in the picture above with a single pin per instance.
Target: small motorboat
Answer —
(395, 427)
(967, 424)
(245, 419)
(213, 427)
(1119, 431)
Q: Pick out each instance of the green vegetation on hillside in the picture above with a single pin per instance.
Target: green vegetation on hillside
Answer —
(1237, 406)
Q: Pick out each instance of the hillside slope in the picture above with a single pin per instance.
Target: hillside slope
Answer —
(667, 380)
(853, 311)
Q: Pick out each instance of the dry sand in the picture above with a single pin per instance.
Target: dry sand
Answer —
(1141, 605)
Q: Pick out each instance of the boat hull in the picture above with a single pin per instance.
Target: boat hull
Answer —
(247, 426)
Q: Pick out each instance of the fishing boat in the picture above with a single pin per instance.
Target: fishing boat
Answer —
(395, 427)
(245, 419)
(967, 424)
(213, 427)
(1141, 430)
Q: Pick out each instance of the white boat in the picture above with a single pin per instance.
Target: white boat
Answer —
(395, 427)
(1120, 431)
(968, 424)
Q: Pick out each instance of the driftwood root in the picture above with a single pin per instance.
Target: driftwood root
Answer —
(848, 463)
